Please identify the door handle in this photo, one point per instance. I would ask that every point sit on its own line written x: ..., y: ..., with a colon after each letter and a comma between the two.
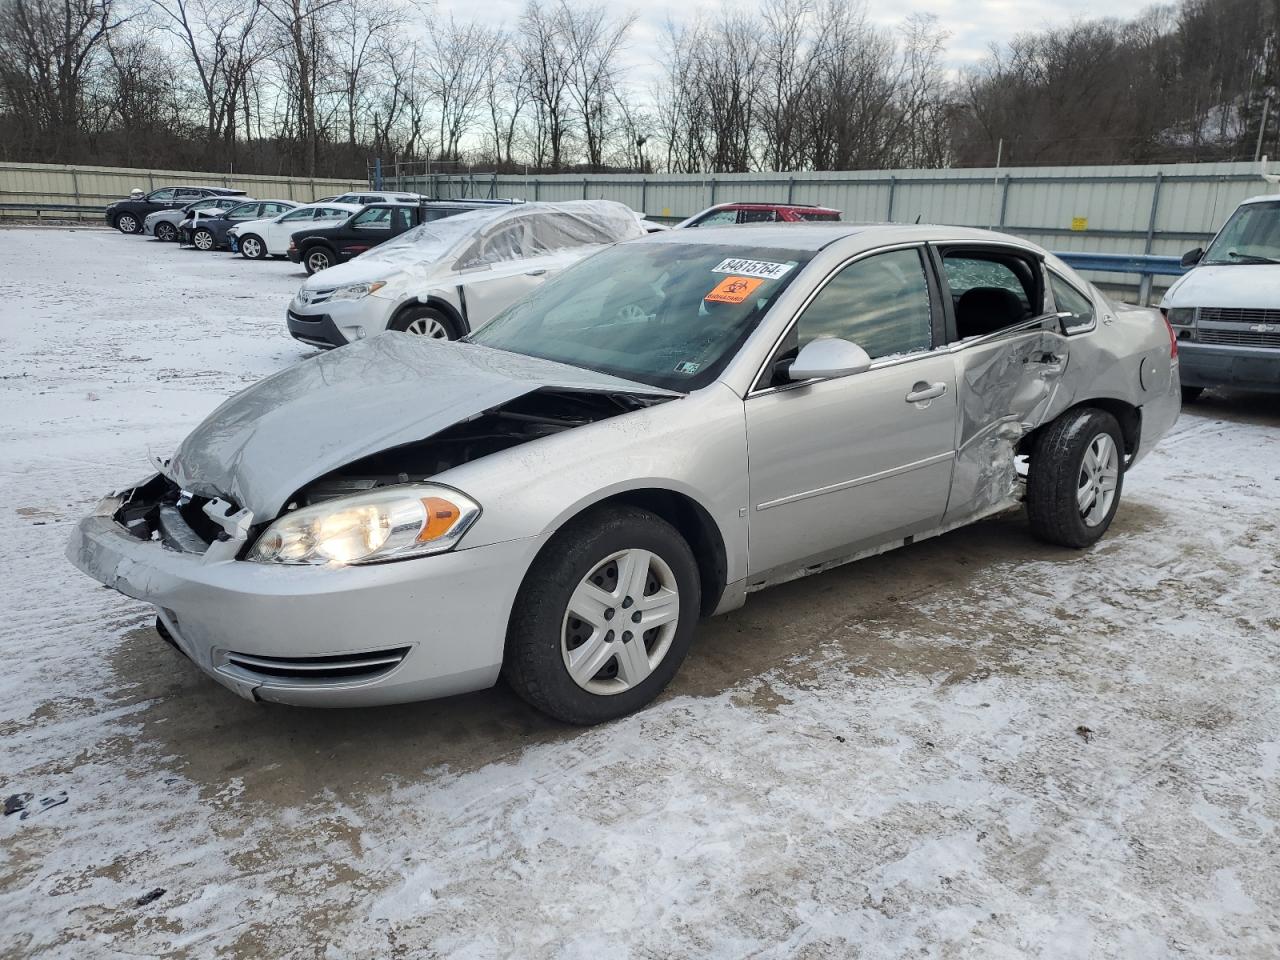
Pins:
x: 535, y: 273
x: 926, y: 391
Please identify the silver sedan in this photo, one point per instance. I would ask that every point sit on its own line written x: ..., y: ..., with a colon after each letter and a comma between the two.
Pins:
x: 670, y: 425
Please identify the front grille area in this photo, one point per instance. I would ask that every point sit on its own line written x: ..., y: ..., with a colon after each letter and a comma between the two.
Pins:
x: 302, y: 318
x: 158, y: 510
x: 1239, y: 315
x: 368, y: 665
x: 1241, y: 338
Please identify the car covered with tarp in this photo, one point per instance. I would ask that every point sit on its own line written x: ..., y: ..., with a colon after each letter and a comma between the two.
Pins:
x: 447, y: 277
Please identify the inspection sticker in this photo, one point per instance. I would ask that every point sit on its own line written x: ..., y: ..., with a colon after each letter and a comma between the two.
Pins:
x: 753, y: 268
x: 733, y: 289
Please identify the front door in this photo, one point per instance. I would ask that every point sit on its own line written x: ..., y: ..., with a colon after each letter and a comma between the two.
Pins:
x: 854, y: 462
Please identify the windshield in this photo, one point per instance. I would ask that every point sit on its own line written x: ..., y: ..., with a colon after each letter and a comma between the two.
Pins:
x: 1252, y: 235
x: 667, y: 314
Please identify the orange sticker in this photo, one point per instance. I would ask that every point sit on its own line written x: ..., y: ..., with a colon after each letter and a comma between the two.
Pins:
x: 733, y: 289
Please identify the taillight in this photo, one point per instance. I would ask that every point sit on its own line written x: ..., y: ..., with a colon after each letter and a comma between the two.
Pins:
x: 1173, y: 340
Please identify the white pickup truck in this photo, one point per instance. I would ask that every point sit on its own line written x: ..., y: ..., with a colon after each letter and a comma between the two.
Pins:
x: 1226, y: 311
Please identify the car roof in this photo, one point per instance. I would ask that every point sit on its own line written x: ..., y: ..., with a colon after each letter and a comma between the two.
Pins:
x: 815, y: 235
x: 1263, y: 198
x: 770, y: 205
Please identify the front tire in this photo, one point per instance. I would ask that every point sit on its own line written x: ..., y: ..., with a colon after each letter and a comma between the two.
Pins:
x: 1075, y: 478
x: 128, y: 223
x: 317, y: 259
x: 604, y: 618
x: 166, y: 231
x: 425, y: 322
x: 252, y: 247
x: 202, y: 240
x: 1191, y: 394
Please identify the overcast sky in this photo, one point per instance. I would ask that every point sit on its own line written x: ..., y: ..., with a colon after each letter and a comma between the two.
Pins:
x: 973, y: 24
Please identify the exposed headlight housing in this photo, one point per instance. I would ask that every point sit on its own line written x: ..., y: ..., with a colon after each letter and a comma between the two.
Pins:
x: 1182, y: 316
x: 391, y: 523
x: 357, y: 291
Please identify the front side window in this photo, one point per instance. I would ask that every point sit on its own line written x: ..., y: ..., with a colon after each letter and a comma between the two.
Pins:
x: 719, y: 218
x: 271, y: 209
x: 377, y: 218
x: 304, y: 214
x: 161, y: 196
x: 759, y: 216
x: 1070, y: 300
x: 245, y: 211
x: 667, y: 314
x: 1252, y: 235
x: 881, y: 303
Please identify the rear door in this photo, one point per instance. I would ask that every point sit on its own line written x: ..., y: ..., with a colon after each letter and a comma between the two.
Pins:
x: 1010, y: 356
x: 854, y: 462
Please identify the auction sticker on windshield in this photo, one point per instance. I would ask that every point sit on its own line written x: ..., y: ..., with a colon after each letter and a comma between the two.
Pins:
x: 753, y: 268
x: 733, y: 289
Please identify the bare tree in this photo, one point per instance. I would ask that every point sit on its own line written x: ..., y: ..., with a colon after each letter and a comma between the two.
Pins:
x: 546, y: 69
x: 593, y: 40
x: 458, y: 70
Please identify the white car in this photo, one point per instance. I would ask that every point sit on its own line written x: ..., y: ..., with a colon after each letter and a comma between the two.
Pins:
x: 448, y: 277
x: 366, y: 197
x: 256, y: 239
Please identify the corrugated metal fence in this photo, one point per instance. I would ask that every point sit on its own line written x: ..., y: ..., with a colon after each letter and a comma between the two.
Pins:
x: 1152, y: 209
x: 92, y: 188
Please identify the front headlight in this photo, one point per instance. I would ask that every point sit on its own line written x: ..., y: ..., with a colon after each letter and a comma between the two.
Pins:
x: 1182, y: 316
x: 357, y: 291
x: 392, y: 523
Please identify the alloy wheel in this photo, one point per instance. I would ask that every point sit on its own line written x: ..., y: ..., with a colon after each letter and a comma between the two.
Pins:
x: 428, y: 327
x: 620, y: 622
x: 317, y: 261
x: 251, y: 248
x: 203, y: 240
x: 166, y: 231
x: 1099, y: 475
x: 127, y: 223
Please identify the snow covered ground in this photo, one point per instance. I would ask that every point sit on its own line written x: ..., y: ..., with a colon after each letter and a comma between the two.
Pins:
x: 977, y: 746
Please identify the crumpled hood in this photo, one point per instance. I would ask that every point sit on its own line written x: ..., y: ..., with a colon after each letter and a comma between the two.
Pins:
x: 1238, y: 285
x: 265, y: 443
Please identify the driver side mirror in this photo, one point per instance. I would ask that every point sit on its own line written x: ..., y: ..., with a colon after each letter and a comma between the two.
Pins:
x: 1192, y: 257
x: 828, y: 357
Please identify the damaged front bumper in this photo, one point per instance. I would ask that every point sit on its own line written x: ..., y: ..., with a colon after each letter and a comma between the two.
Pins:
x: 320, y: 636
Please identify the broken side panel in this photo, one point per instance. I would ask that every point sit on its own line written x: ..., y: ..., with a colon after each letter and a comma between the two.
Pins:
x: 1007, y: 388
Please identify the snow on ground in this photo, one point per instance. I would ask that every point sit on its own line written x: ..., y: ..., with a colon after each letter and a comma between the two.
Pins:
x: 977, y: 746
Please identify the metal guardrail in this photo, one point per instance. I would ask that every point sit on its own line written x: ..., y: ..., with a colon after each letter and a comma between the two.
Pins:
x: 1145, y: 265
x: 52, y: 211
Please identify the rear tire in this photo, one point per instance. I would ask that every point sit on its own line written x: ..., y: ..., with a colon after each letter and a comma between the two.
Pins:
x: 620, y: 568
x: 128, y: 223
x: 318, y: 258
x: 1191, y: 394
x: 202, y: 240
x: 252, y: 247
x: 425, y: 322
x: 166, y: 231
x: 1075, y: 477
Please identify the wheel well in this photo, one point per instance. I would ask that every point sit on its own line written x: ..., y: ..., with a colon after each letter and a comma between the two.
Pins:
x: 693, y: 523
x: 436, y: 304
x: 1127, y: 415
